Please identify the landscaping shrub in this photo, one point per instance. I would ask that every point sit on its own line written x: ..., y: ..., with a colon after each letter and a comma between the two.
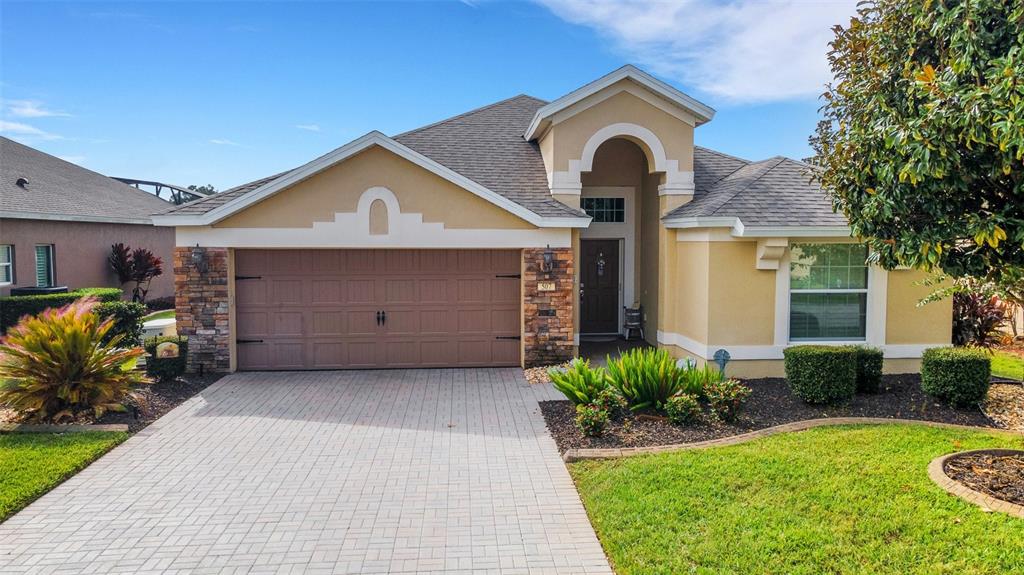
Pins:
x: 127, y: 317
x: 958, y: 375
x: 869, y: 369
x: 698, y: 378
x: 61, y: 361
x: 977, y: 318
x: 647, y: 377
x: 726, y: 398
x: 591, y: 420
x: 821, y: 373
x: 580, y: 383
x: 13, y: 308
x: 682, y: 408
x: 138, y: 266
x: 610, y: 400
x: 160, y: 303
x: 166, y: 368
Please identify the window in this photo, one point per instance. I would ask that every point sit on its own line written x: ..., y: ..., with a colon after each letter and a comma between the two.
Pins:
x: 828, y: 292
x: 6, y: 264
x: 605, y: 210
x: 44, y: 265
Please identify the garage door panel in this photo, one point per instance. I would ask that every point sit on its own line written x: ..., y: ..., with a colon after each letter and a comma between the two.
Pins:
x: 318, y: 309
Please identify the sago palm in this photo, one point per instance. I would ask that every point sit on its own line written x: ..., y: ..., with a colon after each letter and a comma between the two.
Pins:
x: 55, y: 364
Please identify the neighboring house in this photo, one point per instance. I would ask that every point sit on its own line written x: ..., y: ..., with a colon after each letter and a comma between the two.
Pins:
x: 58, y: 221
x: 500, y: 236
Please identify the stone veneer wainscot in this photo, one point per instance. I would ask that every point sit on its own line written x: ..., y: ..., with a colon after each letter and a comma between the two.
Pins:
x: 547, y: 340
x: 201, y: 306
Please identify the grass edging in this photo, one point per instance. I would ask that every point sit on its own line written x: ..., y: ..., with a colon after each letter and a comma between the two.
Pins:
x: 937, y: 473
x: 574, y: 455
x: 57, y: 428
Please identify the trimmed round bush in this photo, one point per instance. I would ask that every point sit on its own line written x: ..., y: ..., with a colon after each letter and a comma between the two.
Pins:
x: 869, y: 369
x: 682, y: 408
x: 821, y: 373
x: 958, y: 375
x: 591, y: 420
x: 166, y: 368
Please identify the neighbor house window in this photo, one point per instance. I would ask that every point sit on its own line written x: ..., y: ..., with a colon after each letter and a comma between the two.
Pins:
x: 605, y: 210
x: 828, y: 292
x: 44, y: 265
x: 6, y: 264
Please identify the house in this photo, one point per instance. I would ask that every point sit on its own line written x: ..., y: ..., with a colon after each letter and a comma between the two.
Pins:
x: 503, y: 235
x: 58, y: 221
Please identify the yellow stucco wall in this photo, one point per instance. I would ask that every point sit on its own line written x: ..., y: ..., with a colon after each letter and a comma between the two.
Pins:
x: 686, y: 309
x: 648, y: 288
x: 565, y: 140
x: 906, y: 322
x: 741, y: 297
x: 337, y: 189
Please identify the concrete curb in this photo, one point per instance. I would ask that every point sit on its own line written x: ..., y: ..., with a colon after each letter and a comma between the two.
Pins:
x: 574, y: 455
x: 47, y: 428
x: 937, y: 473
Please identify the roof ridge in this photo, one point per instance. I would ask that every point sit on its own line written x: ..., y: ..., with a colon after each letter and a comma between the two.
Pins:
x: 762, y: 170
x: 464, y: 114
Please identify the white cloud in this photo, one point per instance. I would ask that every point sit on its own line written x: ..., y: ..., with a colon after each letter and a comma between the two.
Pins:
x: 31, y: 109
x: 224, y: 142
x: 25, y: 131
x: 308, y: 127
x: 741, y: 50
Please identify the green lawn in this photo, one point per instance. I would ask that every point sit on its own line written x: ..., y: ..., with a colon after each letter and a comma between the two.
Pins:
x: 165, y: 314
x: 1005, y: 364
x: 845, y: 499
x: 33, y: 463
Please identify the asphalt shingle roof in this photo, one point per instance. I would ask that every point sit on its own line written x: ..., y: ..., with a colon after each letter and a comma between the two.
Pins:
x: 486, y: 145
x: 62, y: 190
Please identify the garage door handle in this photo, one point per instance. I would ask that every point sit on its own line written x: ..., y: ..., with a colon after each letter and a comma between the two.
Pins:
x: 383, y: 317
x: 378, y: 318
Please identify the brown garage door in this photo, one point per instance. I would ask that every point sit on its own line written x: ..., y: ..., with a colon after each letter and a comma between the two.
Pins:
x: 335, y: 309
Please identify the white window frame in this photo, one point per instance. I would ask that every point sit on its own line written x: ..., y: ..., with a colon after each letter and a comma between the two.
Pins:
x: 9, y: 265
x: 52, y: 264
x: 877, y: 292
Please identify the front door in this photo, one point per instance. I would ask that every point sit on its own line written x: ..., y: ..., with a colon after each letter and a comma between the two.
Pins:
x: 599, y: 286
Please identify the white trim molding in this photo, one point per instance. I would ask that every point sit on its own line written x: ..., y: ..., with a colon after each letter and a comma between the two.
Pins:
x: 348, y: 150
x: 774, y: 352
x: 740, y: 230
x: 352, y: 230
x: 677, y: 182
x: 541, y: 120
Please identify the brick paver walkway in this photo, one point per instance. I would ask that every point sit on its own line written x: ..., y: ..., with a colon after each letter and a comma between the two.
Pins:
x: 419, y: 471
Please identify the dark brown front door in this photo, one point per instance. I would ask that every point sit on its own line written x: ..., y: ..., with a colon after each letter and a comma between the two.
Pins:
x: 342, y: 309
x: 599, y: 286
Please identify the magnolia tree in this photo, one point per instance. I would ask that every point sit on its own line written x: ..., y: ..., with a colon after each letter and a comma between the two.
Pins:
x: 922, y: 141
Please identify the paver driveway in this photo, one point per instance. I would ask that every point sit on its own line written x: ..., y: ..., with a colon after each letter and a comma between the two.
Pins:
x: 419, y: 471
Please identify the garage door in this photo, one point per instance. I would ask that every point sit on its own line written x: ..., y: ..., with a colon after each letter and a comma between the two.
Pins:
x: 341, y: 309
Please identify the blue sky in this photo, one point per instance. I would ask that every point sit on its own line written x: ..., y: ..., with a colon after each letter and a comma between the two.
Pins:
x: 223, y: 93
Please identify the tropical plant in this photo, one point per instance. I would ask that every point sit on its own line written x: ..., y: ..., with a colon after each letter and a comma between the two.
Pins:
x: 647, y: 377
x: 591, y: 420
x: 579, y: 382
x: 698, y: 378
x: 921, y: 144
x: 977, y: 318
x: 683, y: 408
x: 726, y: 398
x: 138, y: 266
x: 57, y: 363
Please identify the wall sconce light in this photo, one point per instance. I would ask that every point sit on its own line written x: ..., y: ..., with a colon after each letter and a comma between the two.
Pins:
x: 548, y: 263
x: 199, y: 259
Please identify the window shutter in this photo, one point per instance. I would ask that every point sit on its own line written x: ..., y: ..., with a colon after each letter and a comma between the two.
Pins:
x: 44, y: 266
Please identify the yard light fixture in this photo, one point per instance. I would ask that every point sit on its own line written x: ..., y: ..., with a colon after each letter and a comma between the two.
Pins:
x: 199, y: 259
x: 548, y: 263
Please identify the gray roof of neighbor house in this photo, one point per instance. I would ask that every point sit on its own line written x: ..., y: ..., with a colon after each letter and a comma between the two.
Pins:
x: 60, y: 190
x: 773, y: 192
x: 487, y: 146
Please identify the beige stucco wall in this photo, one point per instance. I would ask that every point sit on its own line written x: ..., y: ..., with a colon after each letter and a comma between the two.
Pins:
x: 337, y: 190
x: 685, y: 309
x: 908, y: 323
x: 565, y: 140
x: 741, y: 298
x: 647, y: 239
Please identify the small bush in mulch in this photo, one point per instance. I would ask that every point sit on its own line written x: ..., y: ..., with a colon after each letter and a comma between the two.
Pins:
x: 683, y: 409
x: 726, y: 398
x: 821, y: 373
x: 770, y: 403
x: 959, y: 375
x: 591, y: 420
x: 999, y: 476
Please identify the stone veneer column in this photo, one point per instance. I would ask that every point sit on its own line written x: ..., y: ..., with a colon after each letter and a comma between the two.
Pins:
x: 547, y: 315
x: 201, y: 305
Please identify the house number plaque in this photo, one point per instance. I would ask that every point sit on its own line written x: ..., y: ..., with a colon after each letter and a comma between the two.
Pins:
x: 545, y: 286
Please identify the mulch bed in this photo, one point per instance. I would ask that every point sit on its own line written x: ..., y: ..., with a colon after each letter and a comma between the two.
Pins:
x: 1005, y: 405
x: 770, y: 404
x: 999, y: 476
x: 160, y: 398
